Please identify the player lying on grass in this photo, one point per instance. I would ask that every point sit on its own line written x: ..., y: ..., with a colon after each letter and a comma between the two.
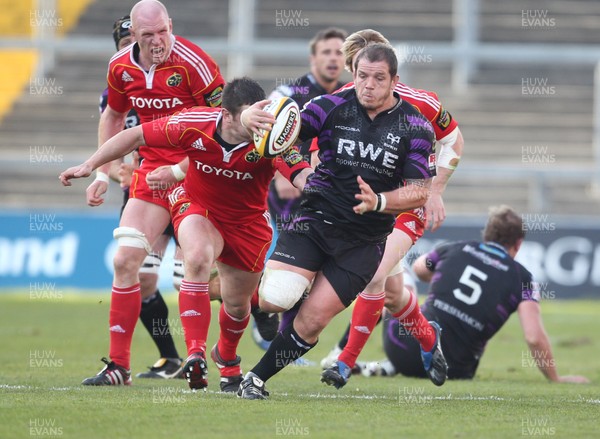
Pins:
x: 474, y: 288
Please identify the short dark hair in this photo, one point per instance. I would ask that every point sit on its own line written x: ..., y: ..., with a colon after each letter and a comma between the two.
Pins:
x: 504, y: 226
x: 241, y: 91
x: 326, y: 34
x: 379, y: 52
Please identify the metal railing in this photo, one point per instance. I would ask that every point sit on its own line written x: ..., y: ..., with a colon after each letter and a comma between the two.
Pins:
x: 465, y: 53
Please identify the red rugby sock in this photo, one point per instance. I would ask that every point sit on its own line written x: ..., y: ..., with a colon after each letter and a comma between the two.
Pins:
x: 232, y: 330
x: 195, y: 312
x: 414, y: 322
x: 125, y: 306
x: 365, y: 315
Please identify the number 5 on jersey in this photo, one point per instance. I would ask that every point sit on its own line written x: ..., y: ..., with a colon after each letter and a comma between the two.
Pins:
x: 469, y: 278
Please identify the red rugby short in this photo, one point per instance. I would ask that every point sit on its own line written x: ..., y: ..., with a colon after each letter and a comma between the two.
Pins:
x: 245, y: 243
x: 412, y: 223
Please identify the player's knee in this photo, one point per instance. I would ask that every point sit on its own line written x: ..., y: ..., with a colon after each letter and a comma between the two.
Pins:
x: 126, y: 262
x: 309, y: 326
x: 268, y: 307
x: 397, y: 269
x: 198, y: 261
x: 237, y: 309
x: 281, y: 289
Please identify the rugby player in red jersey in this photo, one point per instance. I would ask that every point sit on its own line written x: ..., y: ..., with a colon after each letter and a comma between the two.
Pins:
x: 220, y: 213
x: 157, y: 75
x: 154, y: 313
x: 387, y: 287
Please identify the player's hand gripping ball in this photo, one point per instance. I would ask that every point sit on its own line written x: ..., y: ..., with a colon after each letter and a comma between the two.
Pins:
x: 284, y: 132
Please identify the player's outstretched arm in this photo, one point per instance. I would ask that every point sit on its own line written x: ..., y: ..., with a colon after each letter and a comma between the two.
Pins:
x: 117, y: 146
x: 111, y: 123
x: 539, y: 343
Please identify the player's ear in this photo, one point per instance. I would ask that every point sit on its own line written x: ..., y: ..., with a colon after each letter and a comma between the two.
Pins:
x: 227, y: 116
x: 517, y: 245
x: 170, y: 25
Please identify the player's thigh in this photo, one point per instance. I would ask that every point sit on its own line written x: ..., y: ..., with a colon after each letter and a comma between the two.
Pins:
x: 398, y: 243
x: 148, y: 218
x: 289, y: 271
x: 200, y: 241
x: 351, y: 268
x: 159, y: 246
x: 397, y: 246
x: 297, y: 252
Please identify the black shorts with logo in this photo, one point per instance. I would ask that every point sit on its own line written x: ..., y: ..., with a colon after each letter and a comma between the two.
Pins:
x: 348, y: 264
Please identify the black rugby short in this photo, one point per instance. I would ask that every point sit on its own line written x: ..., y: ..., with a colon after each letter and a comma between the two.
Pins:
x: 404, y: 351
x: 314, y: 245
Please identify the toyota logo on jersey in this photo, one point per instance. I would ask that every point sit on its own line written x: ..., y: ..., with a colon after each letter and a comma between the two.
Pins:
x: 156, y: 103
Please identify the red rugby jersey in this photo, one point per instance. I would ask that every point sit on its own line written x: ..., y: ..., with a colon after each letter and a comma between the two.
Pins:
x: 189, y: 77
x: 233, y: 184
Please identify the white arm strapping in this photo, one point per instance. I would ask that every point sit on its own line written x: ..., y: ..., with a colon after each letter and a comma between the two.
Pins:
x: 447, y: 153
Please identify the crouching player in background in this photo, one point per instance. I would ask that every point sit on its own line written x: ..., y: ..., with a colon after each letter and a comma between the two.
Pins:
x: 474, y: 288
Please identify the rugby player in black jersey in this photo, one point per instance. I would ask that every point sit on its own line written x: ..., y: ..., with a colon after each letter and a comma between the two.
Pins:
x: 474, y: 288
x: 377, y: 159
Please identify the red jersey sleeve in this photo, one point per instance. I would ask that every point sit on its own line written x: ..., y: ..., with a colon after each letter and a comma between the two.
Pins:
x: 205, y: 75
x: 314, y: 145
x: 428, y: 103
x: 163, y: 131
x: 290, y: 163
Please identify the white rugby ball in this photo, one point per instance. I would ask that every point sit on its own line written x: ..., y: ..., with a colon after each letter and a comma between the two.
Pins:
x: 284, y: 132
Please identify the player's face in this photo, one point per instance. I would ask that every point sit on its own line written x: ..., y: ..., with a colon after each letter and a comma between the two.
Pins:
x: 234, y: 131
x: 153, y: 35
x: 328, y: 60
x: 125, y: 41
x: 374, y: 85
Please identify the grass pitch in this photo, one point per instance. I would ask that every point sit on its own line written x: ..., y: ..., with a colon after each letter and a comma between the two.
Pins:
x: 50, y: 344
